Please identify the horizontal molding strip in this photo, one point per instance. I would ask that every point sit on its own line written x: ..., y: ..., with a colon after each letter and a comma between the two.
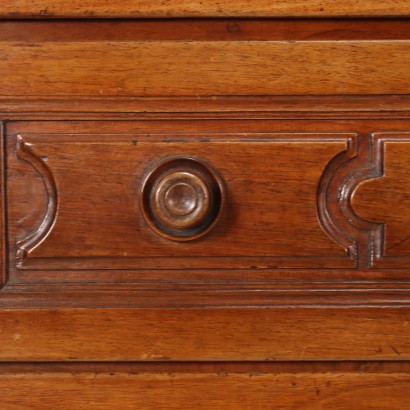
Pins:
x: 204, y: 29
x: 201, y: 8
x: 315, y: 104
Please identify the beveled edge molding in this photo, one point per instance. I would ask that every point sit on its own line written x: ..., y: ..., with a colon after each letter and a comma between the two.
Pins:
x: 323, y: 105
x: 283, y: 293
x: 360, y: 238
x: 25, y: 246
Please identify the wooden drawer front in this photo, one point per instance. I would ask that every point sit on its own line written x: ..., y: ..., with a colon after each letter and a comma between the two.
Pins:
x: 75, y: 201
x: 204, y: 391
x: 184, y: 68
x: 271, y: 334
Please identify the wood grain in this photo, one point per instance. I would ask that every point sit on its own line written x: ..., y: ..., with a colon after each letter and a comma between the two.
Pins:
x: 219, y: 29
x: 90, y: 391
x: 175, y: 335
x: 276, y: 283
x: 3, y: 217
x: 234, y: 334
x: 205, y: 8
x: 185, y: 68
x: 375, y: 108
x: 208, y: 367
x: 97, y: 182
x: 390, y: 153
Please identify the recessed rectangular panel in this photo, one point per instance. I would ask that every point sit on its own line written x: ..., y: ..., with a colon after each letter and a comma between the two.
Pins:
x: 77, y: 201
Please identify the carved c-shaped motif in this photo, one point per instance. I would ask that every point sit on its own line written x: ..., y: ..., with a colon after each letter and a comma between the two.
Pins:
x: 340, y: 179
x: 25, y: 246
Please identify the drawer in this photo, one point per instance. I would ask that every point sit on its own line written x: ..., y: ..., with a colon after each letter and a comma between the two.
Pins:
x: 173, y: 200
x: 236, y: 68
x: 85, y: 257
x: 204, y: 201
x: 189, y: 58
x: 218, y: 387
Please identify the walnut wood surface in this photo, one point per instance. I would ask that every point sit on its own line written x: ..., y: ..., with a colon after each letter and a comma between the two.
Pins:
x: 184, y: 68
x: 319, y: 210
x: 306, y: 120
x: 182, y: 198
x: 228, y: 334
x: 195, y: 8
x: 345, y: 107
x: 246, y: 391
x: 391, y: 160
x: 3, y: 223
x: 97, y: 181
x: 204, y: 29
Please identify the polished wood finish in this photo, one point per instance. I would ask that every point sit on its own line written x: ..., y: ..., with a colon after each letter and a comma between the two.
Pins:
x: 391, y: 166
x: 156, y: 68
x: 206, y: 107
x: 206, y: 334
x: 182, y: 198
x: 3, y: 222
x: 197, y: 8
x: 148, y: 280
x: 293, y: 294
x: 204, y: 29
x: 247, y: 391
x: 70, y: 209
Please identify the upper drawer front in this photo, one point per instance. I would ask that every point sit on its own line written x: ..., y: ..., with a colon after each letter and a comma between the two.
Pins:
x: 217, y: 68
x: 215, y: 58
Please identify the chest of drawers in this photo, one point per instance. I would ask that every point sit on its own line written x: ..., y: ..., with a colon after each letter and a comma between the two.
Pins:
x: 205, y: 205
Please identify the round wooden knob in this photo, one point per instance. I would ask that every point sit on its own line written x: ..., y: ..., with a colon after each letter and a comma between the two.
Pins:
x: 182, y: 198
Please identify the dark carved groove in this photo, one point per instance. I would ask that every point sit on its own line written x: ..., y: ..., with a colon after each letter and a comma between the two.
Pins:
x: 30, y: 242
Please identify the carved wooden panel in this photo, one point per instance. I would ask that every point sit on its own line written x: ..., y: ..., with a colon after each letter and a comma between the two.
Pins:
x: 386, y: 199
x: 76, y: 201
